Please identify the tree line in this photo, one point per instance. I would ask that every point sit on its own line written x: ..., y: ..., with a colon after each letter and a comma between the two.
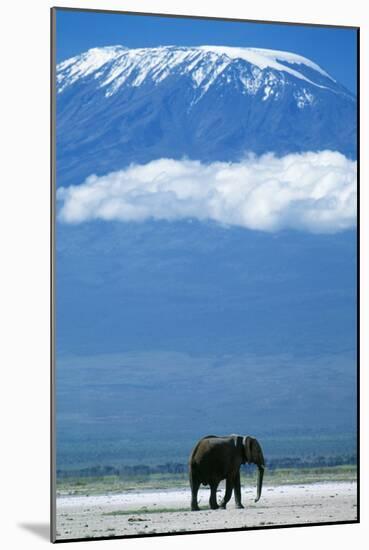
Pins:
x: 181, y: 468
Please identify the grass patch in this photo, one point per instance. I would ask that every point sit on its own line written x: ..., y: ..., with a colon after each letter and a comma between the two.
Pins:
x: 114, y: 484
x: 156, y: 510
x: 287, y: 476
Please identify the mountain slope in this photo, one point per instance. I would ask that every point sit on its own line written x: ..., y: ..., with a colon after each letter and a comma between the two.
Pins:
x: 116, y: 106
x: 167, y: 331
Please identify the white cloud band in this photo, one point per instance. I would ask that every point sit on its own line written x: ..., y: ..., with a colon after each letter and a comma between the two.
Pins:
x: 314, y: 192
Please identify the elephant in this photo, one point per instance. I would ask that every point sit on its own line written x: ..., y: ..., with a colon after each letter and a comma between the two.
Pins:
x: 215, y: 458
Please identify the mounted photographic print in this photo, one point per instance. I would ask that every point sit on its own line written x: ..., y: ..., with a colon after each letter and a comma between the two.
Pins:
x: 204, y: 274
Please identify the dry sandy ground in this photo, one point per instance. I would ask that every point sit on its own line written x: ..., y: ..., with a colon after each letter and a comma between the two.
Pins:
x: 134, y: 513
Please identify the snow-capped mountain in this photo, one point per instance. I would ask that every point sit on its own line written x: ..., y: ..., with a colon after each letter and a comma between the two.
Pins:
x: 116, y: 66
x: 117, y: 105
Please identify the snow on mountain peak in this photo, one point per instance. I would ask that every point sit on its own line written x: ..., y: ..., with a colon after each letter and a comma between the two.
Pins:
x: 70, y: 70
x: 114, y: 66
x: 264, y: 58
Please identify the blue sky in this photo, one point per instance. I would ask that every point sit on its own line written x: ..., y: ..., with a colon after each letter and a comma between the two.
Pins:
x: 333, y: 49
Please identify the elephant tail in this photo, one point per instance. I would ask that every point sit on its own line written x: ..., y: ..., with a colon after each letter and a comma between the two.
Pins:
x: 195, y: 473
x: 191, y: 461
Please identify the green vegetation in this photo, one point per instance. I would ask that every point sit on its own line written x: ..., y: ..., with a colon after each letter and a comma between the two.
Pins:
x: 292, y: 476
x: 144, y: 510
x: 155, y: 481
x: 117, y: 484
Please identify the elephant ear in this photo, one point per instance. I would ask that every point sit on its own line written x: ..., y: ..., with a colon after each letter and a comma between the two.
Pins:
x: 247, y: 445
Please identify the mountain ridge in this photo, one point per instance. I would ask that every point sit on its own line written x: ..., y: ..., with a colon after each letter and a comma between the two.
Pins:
x: 122, y: 59
x: 117, y: 106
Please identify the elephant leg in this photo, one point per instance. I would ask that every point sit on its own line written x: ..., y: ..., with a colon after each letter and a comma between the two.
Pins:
x: 228, y: 492
x: 195, y: 484
x: 213, y: 496
x: 237, y: 491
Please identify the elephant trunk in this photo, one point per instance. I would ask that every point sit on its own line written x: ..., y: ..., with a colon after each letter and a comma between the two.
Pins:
x: 260, y: 482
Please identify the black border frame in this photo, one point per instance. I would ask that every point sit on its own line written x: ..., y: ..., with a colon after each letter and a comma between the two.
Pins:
x: 53, y: 12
